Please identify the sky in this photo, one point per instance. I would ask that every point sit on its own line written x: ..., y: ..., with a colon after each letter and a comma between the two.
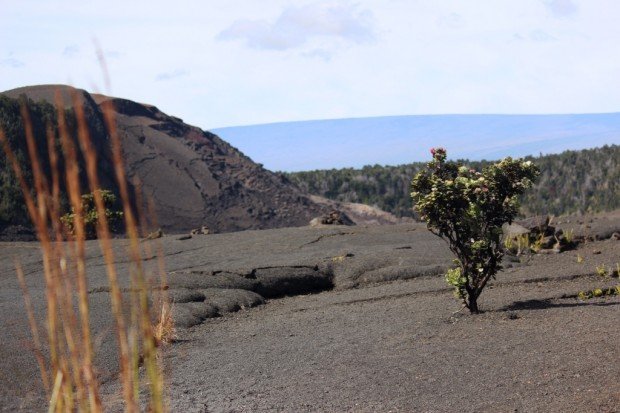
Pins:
x: 218, y: 63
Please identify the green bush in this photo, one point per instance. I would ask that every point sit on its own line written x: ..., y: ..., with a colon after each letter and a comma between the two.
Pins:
x: 91, y: 216
x: 468, y: 208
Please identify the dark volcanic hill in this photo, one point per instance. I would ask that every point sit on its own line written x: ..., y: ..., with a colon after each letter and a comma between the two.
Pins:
x: 193, y: 176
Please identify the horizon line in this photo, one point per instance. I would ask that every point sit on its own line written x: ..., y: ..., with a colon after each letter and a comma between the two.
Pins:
x: 411, y: 115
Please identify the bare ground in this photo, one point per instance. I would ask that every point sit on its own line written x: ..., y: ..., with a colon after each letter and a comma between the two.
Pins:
x: 363, y: 346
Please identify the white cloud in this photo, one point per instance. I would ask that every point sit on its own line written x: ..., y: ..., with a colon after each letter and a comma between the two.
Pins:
x: 561, y: 8
x: 112, y: 54
x: 424, y: 58
x: 537, y: 35
x: 11, y: 62
x: 171, y: 75
x: 541, y: 36
x: 71, y: 50
x: 323, y: 54
x: 451, y: 20
x: 296, y: 26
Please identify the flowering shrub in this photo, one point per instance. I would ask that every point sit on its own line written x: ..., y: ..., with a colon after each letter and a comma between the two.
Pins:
x: 468, y: 208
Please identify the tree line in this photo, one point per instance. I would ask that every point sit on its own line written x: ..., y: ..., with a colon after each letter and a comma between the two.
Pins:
x: 570, y: 182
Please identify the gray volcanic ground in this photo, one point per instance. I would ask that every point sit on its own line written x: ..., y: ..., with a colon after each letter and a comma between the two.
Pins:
x: 380, y: 334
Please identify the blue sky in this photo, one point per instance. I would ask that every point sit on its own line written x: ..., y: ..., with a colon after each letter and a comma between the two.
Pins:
x: 394, y: 140
x: 219, y: 63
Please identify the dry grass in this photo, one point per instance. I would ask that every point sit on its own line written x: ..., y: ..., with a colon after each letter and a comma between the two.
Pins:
x: 164, y: 331
x: 68, y: 373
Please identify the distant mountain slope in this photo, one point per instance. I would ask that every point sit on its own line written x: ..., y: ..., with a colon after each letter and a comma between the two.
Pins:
x: 193, y: 177
x: 395, y: 140
x: 573, y: 181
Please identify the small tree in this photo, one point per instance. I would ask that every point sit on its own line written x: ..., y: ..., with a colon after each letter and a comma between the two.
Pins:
x: 467, y: 209
x: 91, y: 216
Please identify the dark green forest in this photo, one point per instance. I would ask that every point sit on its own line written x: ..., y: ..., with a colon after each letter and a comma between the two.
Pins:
x: 12, y: 208
x: 42, y: 116
x: 570, y: 182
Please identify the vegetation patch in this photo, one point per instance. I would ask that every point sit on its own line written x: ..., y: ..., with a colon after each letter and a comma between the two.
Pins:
x: 573, y: 181
x: 468, y: 208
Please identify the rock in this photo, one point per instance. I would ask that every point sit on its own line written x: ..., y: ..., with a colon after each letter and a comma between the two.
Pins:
x: 183, y: 317
x: 154, y: 235
x: 615, y: 235
x: 514, y: 230
x: 204, y: 310
x: 231, y: 300
x: 192, y: 308
x: 315, y: 222
x: 204, y: 230
x: 183, y: 295
x: 537, y: 224
x: 548, y: 242
x: 199, y: 280
x: 184, y: 237
x: 555, y: 250
x: 333, y: 218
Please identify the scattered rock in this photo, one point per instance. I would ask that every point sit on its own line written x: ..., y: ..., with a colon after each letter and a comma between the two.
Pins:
x: 154, y: 235
x: 192, y: 308
x: 596, y: 252
x: 204, y: 230
x: 512, y: 316
x: 514, y: 230
x: 231, y: 300
x: 537, y: 224
x: 184, y: 237
x: 198, y: 280
x: 553, y: 250
x: 183, y: 295
x: 333, y: 218
x: 548, y: 242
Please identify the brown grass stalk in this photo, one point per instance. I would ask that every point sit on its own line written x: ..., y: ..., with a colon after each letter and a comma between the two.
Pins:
x: 33, y: 327
x: 131, y: 225
x: 149, y: 346
x: 69, y: 376
x: 74, y: 191
x: 103, y: 234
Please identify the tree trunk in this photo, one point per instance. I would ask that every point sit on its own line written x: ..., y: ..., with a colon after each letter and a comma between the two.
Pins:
x: 472, y: 304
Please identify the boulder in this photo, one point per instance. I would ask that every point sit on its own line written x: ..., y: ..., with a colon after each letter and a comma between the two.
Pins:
x: 537, y: 224
x: 154, y: 235
x: 548, y: 242
x: 204, y: 230
x: 514, y: 230
x: 333, y: 218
